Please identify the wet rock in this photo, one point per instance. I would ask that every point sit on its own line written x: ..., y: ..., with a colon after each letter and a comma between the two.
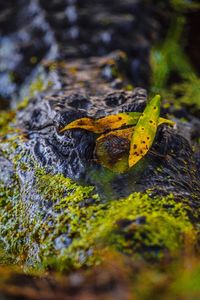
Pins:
x: 32, y: 31
x: 52, y: 214
x: 169, y: 167
x: 25, y: 39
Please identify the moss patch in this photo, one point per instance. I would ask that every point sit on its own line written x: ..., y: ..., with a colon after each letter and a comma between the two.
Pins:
x: 5, y: 119
x: 14, y: 225
x: 134, y: 225
x: 78, y: 226
x: 71, y: 227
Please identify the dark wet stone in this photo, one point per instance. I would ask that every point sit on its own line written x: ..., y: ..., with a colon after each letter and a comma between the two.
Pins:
x: 32, y: 31
x: 72, y: 152
x: 169, y: 166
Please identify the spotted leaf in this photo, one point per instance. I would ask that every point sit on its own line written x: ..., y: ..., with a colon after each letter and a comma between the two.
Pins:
x: 83, y: 123
x: 104, y: 124
x: 145, y: 131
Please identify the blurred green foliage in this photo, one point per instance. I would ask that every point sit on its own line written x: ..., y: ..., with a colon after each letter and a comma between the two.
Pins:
x: 173, y: 76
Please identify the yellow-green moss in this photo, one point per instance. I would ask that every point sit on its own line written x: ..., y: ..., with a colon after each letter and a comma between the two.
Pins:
x: 41, y: 82
x: 5, y: 118
x: 163, y: 229
x: 72, y: 225
x: 13, y: 224
x: 154, y: 226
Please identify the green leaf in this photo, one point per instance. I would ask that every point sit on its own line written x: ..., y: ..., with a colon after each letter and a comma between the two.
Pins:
x: 145, y: 131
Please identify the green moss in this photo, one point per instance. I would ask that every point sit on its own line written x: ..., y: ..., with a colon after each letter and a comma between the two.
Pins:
x: 72, y: 207
x: 69, y: 226
x: 87, y: 225
x: 14, y: 225
x: 5, y: 119
x: 118, y: 226
x: 189, y: 91
x: 39, y: 84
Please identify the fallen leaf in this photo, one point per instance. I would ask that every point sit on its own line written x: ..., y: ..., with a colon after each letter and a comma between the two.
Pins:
x: 83, y: 123
x: 145, y: 131
x: 111, y: 122
x: 104, y: 124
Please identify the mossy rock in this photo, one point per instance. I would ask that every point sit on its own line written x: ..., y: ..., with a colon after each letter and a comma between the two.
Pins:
x: 70, y: 226
x: 61, y: 209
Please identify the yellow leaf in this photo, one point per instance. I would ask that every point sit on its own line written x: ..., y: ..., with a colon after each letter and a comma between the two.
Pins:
x: 83, y: 123
x: 166, y: 121
x: 104, y: 124
x: 145, y: 131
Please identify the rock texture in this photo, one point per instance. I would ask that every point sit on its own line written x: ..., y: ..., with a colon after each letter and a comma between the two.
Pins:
x: 34, y: 30
x: 49, y: 211
x: 170, y: 166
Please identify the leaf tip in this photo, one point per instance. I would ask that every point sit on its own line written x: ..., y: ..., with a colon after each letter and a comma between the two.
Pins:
x: 157, y: 97
x: 133, y: 160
